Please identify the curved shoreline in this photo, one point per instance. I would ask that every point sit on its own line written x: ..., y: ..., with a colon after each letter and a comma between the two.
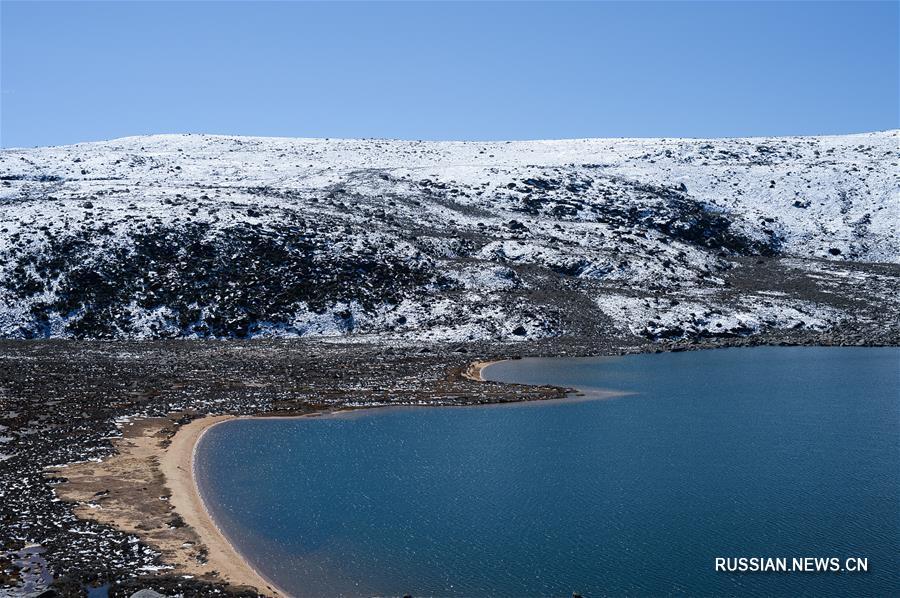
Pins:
x: 177, y: 465
x: 475, y: 370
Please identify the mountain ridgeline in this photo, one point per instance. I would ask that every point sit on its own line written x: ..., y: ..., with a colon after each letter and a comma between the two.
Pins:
x: 226, y: 237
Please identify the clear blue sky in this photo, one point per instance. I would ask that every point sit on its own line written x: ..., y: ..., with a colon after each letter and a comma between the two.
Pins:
x: 79, y: 71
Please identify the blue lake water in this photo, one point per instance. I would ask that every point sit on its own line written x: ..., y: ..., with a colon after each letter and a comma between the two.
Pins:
x: 771, y: 452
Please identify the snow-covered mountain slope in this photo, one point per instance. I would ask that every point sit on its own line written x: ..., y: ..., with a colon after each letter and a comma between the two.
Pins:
x: 199, y: 235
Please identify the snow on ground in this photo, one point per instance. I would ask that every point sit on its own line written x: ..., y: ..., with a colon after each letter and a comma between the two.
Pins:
x: 203, y: 235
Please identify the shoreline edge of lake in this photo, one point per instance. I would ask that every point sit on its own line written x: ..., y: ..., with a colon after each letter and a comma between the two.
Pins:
x: 162, y: 449
x: 177, y: 465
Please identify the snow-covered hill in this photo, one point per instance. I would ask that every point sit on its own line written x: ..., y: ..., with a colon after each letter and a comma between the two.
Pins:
x: 199, y: 235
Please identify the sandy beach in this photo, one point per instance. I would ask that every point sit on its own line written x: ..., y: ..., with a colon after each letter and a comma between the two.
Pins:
x: 473, y: 372
x: 147, y: 488
x: 177, y: 465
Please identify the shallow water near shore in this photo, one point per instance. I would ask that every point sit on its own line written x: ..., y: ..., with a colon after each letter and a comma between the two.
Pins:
x: 762, y: 452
